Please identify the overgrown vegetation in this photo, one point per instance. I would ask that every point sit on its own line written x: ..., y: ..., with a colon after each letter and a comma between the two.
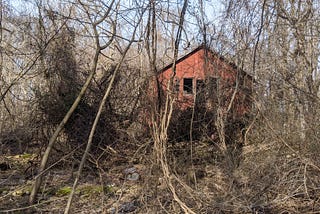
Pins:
x: 147, y: 155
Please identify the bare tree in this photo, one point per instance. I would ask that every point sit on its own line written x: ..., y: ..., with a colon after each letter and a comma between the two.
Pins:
x: 95, y: 24
x: 103, y: 101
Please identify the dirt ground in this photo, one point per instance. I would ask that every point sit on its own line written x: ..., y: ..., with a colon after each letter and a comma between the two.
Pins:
x: 128, y: 180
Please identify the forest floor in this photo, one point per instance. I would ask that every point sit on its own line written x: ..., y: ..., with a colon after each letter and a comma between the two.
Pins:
x: 127, y: 180
x: 112, y: 188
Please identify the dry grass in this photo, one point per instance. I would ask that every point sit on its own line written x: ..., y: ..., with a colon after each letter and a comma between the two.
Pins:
x: 270, y: 178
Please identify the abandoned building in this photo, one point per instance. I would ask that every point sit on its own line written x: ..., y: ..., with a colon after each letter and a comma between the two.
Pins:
x: 203, y: 81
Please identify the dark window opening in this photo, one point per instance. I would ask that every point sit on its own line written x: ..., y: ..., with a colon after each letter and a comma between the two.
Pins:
x: 187, y: 85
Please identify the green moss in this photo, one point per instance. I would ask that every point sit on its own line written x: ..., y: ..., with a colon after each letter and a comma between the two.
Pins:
x: 90, y: 190
x: 26, y: 155
x: 63, y: 191
x: 87, y: 190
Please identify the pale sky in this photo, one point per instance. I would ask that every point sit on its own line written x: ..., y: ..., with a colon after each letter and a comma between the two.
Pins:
x: 212, y: 7
x: 24, y: 6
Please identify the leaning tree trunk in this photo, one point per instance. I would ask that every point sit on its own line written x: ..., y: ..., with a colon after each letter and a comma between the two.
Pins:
x: 84, y: 88
x: 95, y: 123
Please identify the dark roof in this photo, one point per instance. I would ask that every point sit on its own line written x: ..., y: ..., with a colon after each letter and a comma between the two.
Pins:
x: 233, y: 65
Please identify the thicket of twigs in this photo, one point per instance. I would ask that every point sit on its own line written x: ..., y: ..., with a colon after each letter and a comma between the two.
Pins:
x: 78, y: 121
